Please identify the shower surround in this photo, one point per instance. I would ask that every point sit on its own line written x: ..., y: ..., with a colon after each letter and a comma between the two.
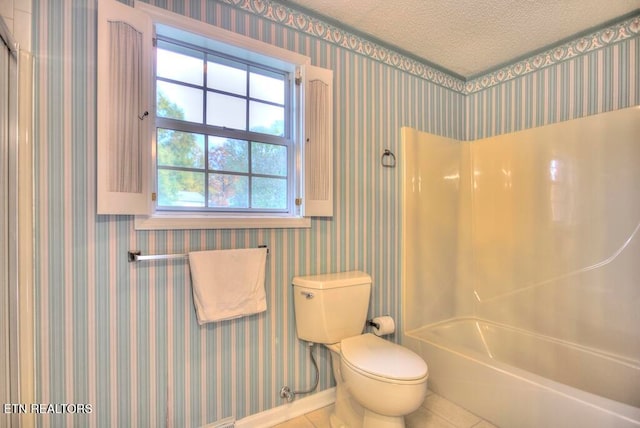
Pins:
x: 521, y: 265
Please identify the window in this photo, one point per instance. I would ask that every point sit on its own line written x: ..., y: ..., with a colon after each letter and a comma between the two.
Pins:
x: 214, y: 130
x: 223, y: 132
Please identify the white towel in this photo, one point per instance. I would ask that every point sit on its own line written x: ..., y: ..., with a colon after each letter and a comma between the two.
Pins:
x: 228, y: 283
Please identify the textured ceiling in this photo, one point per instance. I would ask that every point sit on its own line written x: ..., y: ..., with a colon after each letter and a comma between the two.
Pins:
x: 468, y: 37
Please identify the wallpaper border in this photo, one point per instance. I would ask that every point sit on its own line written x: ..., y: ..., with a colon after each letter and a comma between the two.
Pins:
x: 607, y: 36
x: 326, y: 31
x: 614, y: 33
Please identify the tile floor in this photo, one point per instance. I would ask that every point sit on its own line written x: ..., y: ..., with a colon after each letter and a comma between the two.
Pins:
x: 435, y: 412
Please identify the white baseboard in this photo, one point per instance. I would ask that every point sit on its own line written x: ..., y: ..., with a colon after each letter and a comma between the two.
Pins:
x: 298, y: 407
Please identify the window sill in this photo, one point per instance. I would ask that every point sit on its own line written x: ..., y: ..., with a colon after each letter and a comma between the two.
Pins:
x: 173, y: 221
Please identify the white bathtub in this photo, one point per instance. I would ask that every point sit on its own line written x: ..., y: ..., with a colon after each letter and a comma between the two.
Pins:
x: 514, y: 378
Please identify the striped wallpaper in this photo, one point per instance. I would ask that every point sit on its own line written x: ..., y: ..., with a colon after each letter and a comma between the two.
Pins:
x: 124, y: 337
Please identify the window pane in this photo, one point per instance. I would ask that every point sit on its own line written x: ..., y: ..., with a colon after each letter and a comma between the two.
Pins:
x: 176, y: 66
x: 227, y: 78
x: 269, y: 193
x: 226, y: 154
x: 178, y: 102
x: 227, y: 111
x: 180, y: 188
x: 268, y: 159
x: 176, y: 148
x: 228, y: 191
x: 266, y: 118
x: 266, y: 88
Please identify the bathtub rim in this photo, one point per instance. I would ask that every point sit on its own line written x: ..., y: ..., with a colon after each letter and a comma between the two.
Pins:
x: 624, y: 360
x: 615, y: 408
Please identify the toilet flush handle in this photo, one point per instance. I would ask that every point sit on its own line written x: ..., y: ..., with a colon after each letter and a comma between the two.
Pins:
x: 307, y: 294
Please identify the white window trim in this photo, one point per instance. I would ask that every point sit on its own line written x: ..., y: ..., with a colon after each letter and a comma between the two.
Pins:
x: 162, y: 220
x: 166, y: 221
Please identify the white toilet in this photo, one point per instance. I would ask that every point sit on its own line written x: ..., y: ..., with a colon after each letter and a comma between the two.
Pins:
x: 378, y: 382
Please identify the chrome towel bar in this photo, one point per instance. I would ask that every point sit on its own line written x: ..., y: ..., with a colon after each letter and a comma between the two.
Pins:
x: 136, y: 256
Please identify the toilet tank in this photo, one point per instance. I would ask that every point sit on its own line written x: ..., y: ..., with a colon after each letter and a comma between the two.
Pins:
x: 331, y: 307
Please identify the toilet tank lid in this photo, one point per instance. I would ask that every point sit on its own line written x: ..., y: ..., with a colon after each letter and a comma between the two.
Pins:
x: 332, y: 280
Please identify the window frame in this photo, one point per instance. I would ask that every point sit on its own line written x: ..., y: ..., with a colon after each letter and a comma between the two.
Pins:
x: 207, y: 130
x: 223, y: 41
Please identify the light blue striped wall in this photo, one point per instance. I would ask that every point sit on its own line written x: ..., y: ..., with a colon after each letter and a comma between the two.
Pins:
x: 124, y: 338
x: 596, y: 82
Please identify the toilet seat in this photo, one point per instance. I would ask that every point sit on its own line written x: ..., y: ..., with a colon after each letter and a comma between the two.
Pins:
x: 380, y: 359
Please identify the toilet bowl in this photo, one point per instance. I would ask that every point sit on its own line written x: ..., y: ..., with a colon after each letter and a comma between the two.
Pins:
x: 384, y: 377
x: 378, y: 382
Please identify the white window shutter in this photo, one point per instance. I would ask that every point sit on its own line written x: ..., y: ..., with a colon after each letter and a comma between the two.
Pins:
x: 125, y: 109
x: 318, y: 142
